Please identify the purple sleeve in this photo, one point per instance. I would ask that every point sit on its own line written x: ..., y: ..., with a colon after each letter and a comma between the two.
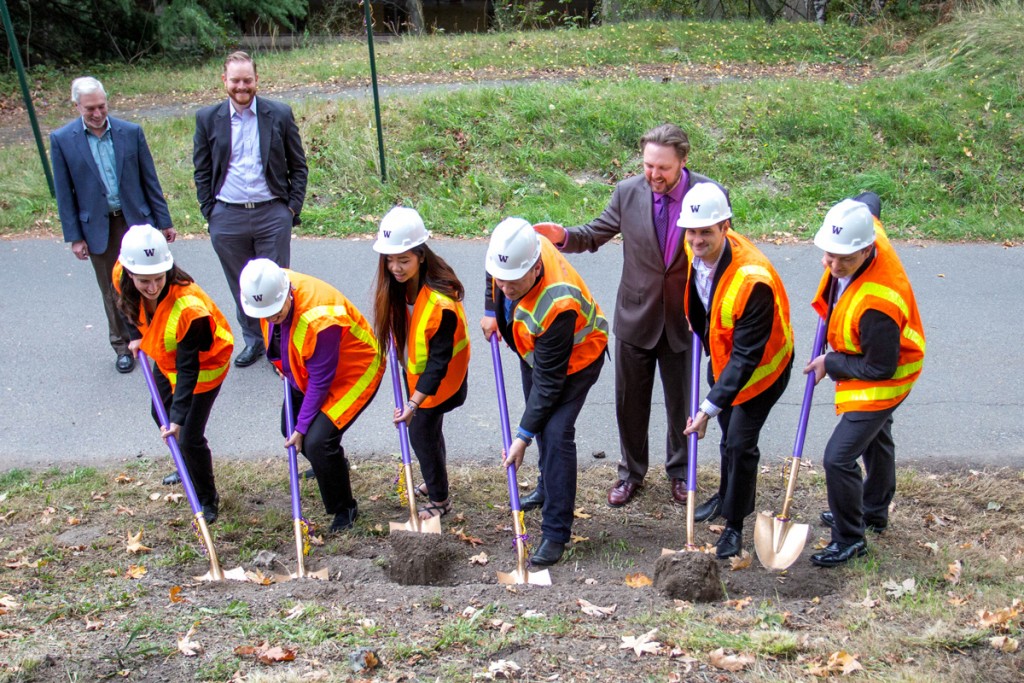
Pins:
x: 321, y: 367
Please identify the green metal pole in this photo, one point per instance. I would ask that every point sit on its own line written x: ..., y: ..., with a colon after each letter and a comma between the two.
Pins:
x: 376, y: 95
x: 26, y: 95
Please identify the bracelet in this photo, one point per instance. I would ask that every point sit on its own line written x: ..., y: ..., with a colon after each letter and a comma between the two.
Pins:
x: 414, y: 404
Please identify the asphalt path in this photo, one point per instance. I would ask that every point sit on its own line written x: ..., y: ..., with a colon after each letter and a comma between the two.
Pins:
x: 62, y: 402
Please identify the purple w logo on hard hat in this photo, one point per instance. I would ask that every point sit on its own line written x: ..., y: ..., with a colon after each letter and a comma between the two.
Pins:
x: 387, y: 233
x: 149, y: 252
x: 694, y: 208
x: 257, y: 297
x: 836, y: 229
x: 503, y: 258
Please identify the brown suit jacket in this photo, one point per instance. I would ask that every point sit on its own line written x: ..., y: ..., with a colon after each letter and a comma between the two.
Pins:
x: 650, y: 298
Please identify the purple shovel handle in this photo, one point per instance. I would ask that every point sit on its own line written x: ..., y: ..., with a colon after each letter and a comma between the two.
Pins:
x: 172, y: 443
x: 691, y: 442
x: 293, y: 456
x: 396, y: 386
x: 805, y: 407
x: 506, y: 430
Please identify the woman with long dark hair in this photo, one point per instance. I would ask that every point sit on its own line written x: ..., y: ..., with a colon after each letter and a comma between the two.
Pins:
x: 418, y: 302
x: 189, y: 340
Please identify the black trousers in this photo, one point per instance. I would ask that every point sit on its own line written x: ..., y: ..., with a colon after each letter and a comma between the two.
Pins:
x: 557, y: 445
x: 856, y: 501
x: 634, y: 384
x: 195, y: 450
x: 322, y: 447
x: 741, y: 428
x: 426, y: 436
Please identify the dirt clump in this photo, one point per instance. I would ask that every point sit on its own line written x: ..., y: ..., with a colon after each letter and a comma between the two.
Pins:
x: 422, y: 559
x: 689, y: 576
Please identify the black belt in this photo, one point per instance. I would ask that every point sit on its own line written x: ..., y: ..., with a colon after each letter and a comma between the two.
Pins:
x: 116, y: 214
x: 250, y: 205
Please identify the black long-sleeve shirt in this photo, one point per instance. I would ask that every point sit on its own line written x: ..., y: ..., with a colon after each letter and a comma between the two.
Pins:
x: 439, y: 354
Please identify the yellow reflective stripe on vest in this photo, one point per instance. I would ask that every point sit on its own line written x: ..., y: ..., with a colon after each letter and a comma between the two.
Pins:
x: 171, y: 329
x: 224, y: 334
x: 914, y: 338
x: 882, y: 393
x: 357, y: 390
x: 728, y: 319
x: 907, y: 369
x: 204, y: 375
x: 547, y: 300
x: 313, y: 314
x: 876, y: 290
x: 420, y: 334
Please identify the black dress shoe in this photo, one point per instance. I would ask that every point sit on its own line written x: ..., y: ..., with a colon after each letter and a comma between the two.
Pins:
x: 125, y: 363
x: 210, y: 511
x: 171, y: 479
x: 709, y: 509
x: 249, y: 355
x: 346, y: 519
x: 730, y: 543
x: 836, y: 553
x: 532, y: 500
x: 829, y: 519
x: 548, y: 553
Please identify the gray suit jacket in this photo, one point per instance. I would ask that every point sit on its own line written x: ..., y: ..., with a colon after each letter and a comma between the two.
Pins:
x: 284, y: 161
x: 81, y: 194
x: 650, y: 298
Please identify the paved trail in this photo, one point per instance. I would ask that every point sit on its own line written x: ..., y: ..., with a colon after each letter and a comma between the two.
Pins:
x: 61, y: 401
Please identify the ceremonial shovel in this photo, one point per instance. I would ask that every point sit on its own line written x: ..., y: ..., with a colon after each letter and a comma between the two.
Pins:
x: 519, y: 574
x: 199, y: 521
x: 777, y: 540
x: 425, y: 526
x: 691, y: 447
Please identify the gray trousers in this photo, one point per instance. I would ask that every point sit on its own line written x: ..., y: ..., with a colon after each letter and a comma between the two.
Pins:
x: 103, y: 266
x: 240, y: 235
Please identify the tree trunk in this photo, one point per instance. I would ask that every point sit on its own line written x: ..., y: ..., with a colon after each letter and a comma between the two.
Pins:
x: 415, y: 10
x: 611, y: 11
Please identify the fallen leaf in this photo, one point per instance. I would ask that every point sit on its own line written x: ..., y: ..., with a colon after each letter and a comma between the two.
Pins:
x: 720, y: 660
x: 124, y: 510
x: 259, y: 578
x: 898, y: 590
x: 590, y: 582
x: 276, y: 654
x: 870, y: 602
x: 641, y: 644
x: 638, y: 580
x: 578, y: 513
x: 134, y: 545
x: 173, y: 497
x: 579, y: 539
x: 953, y: 572
x: 460, y: 532
x: 187, y: 646
x: 154, y: 496
x: 135, y: 571
x: 8, y: 604
x: 741, y: 562
x: 316, y: 540
x: 838, y: 662
x: 100, y: 497
x: 74, y: 521
x: 502, y: 626
x: 533, y: 614
x: 91, y: 625
x: 123, y: 478
x: 595, y: 610
x: 740, y: 603
x: 999, y: 619
x: 1004, y: 644
x: 503, y: 669
x: 175, y: 594
x: 932, y: 546
x: 716, y: 528
x: 994, y: 506
x: 480, y: 559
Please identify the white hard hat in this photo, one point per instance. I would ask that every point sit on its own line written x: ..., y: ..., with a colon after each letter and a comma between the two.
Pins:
x: 264, y: 287
x: 513, y: 250
x: 401, y: 230
x: 703, y: 206
x: 848, y: 227
x: 144, y: 251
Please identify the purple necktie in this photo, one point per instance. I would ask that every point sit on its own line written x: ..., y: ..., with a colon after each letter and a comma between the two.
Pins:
x: 661, y: 222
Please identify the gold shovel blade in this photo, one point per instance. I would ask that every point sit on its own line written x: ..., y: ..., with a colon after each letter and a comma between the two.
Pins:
x: 422, y: 526
x: 541, y: 578
x: 778, y: 543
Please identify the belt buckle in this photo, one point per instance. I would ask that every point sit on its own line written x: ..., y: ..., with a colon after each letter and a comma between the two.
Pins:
x: 249, y: 205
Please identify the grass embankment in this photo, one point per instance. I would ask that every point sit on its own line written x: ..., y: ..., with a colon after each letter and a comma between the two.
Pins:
x: 939, y: 138
x: 933, y: 601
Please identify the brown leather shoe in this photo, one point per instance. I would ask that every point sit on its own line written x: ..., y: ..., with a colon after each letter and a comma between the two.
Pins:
x: 679, y: 491
x: 622, y: 493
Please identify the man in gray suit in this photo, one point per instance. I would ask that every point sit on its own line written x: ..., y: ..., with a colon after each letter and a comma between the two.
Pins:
x: 105, y: 180
x: 650, y: 328
x: 250, y: 173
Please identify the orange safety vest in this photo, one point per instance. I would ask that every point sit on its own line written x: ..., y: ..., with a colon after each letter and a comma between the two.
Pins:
x: 169, y: 324
x: 317, y: 306
x: 560, y: 289
x: 748, y: 267
x: 426, y: 318
x: 883, y: 286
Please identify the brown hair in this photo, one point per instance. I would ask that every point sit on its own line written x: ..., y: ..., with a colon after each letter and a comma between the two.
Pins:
x: 668, y: 135
x: 389, y: 301
x: 129, y: 298
x: 239, y: 56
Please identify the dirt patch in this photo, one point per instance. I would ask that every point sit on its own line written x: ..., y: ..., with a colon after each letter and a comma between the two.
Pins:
x: 688, y: 575
x: 418, y: 559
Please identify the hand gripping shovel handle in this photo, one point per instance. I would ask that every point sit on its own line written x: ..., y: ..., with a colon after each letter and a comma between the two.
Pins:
x: 506, y: 429
x: 396, y: 386
x: 179, y: 463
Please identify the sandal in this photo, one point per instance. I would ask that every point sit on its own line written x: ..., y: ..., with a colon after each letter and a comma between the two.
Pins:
x: 421, y: 490
x: 433, y: 509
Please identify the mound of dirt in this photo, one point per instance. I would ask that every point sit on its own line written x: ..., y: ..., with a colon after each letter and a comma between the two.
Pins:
x: 422, y: 559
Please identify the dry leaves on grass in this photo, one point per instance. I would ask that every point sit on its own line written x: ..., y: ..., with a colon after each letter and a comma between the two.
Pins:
x: 741, y: 562
x: 135, y: 571
x: 642, y: 644
x: 1004, y: 644
x: 91, y: 625
x: 578, y: 513
x: 739, y: 604
x: 8, y: 604
x: 480, y: 559
x: 953, y: 572
x: 502, y: 670
x: 638, y: 580
x: 173, y: 497
x: 502, y: 625
x: 134, y: 545
x: 1001, y: 618
x: 460, y: 533
x: 720, y: 660
x: 266, y: 654
x: 840, y: 662
x: 74, y: 521
x: 124, y: 510
x: 595, y: 610
x: 187, y: 646
x: 123, y: 478
x: 100, y: 497
x: 898, y: 590
x: 175, y: 595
